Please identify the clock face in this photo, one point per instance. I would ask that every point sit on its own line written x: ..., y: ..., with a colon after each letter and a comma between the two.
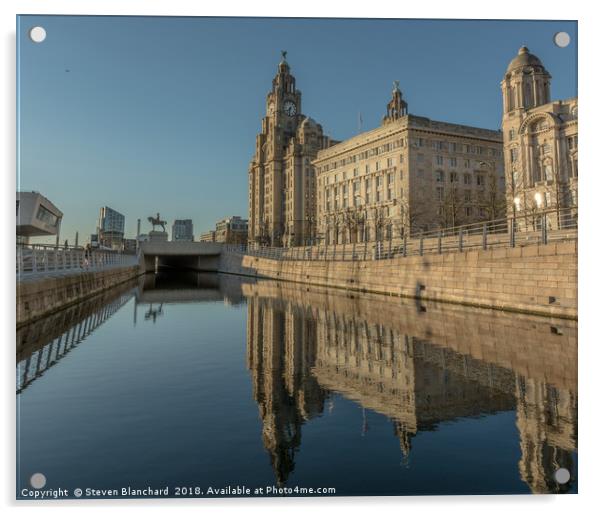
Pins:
x: 290, y: 108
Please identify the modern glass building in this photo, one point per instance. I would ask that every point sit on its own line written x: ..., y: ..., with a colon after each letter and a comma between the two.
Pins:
x: 111, y: 228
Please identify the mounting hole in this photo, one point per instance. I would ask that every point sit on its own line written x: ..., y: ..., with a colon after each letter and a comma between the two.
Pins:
x: 37, y: 34
x: 562, y: 476
x: 562, y: 39
x: 38, y: 480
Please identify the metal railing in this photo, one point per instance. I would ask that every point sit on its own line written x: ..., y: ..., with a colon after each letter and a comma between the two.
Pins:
x: 39, y: 260
x: 537, y: 228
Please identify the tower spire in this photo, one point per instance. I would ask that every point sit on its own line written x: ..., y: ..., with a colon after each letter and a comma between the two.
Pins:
x: 397, y: 107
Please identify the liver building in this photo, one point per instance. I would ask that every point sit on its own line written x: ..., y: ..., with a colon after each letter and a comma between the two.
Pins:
x: 540, y: 146
x: 282, y: 181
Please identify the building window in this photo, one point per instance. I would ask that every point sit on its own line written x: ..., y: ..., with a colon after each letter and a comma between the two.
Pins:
x: 574, y: 167
x: 480, y: 180
x: 389, y: 162
x: 453, y: 177
x: 513, y: 155
x: 377, y: 166
x: 467, y: 196
x: 45, y: 216
x: 547, y: 169
x: 547, y: 199
x: 439, y: 175
x: 453, y: 162
x: 468, y: 211
x: 420, y: 158
x: 439, y: 193
x: 440, y: 160
x: 400, y: 158
x: 467, y: 179
x: 511, y: 134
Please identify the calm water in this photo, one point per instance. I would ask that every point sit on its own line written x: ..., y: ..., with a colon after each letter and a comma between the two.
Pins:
x: 197, y: 381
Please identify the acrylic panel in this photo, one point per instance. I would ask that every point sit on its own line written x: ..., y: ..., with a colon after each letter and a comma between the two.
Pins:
x: 295, y: 257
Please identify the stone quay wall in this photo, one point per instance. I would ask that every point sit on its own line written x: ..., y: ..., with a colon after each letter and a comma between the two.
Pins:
x: 38, y: 297
x: 537, y: 279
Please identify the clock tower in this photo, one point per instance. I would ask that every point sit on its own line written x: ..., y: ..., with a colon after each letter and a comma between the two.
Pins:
x: 282, y: 181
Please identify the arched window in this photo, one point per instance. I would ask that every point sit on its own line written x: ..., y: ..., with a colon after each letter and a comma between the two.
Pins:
x: 548, y: 171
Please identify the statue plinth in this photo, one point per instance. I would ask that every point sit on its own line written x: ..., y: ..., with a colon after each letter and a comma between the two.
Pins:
x: 157, y: 236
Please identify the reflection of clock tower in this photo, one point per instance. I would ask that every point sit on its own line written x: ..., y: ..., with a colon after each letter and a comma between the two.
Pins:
x: 282, y: 181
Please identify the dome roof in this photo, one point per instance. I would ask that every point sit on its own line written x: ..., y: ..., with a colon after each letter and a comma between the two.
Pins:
x: 309, y: 123
x: 524, y: 58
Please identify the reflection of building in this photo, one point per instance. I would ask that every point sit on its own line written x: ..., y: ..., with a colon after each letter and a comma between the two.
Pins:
x: 282, y: 182
x: 181, y: 230
x: 410, y: 173
x: 302, y: 345
x: 111, y: 227
x: 36, y: 216
x: 546, y: 418
x: 540, y: 141
x: 280, y: 354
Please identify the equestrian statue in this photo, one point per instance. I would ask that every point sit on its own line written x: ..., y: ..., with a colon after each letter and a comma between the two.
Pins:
x: 157, y: 221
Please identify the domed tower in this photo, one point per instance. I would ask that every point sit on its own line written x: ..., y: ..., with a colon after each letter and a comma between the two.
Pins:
x: 540, y: 155
x: 526, y: 83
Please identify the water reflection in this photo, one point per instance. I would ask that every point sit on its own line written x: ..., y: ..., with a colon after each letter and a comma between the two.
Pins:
x: 420, y: 366
x: 42, y: 344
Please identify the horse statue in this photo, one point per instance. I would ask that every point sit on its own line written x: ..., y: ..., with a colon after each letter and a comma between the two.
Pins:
x: 157, y: 221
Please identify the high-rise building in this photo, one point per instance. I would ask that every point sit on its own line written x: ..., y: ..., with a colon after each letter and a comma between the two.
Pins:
x: 181, y: 230
x: 111, y: 228
x: 408, y: 175
x: 282, y: 182
x: 540, y: 145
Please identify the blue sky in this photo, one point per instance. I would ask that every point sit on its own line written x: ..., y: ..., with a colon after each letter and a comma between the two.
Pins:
x: 160, y: 114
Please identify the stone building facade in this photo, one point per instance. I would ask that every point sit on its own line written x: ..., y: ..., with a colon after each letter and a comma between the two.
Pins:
x: 411, y: 174
x: 231, y: 230
x: 540, y: 146
x: 282, y: 182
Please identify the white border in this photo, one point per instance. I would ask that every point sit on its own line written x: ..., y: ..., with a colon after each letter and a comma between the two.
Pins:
x: 590, y: 189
